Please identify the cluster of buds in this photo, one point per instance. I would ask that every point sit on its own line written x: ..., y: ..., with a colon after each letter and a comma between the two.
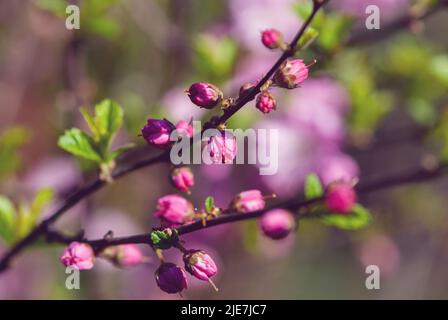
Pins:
x: 340, y: 197
x: 81, y: 256
x: 182, y: 178
x: 171, y: 278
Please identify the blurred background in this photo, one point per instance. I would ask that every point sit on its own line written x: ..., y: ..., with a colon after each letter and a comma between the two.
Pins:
x: 375, y: 104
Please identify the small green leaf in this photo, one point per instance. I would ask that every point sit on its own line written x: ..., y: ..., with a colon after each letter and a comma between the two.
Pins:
x: 313, y: 187
x: 79, y: 144
x: 91, y: 123
x: 308, y: 38
x: 209, y: 204
x: 357, y: 219
x: 7, y: 219
x: 108, y: 117
x: 41, y: 199
x: 164, y: 239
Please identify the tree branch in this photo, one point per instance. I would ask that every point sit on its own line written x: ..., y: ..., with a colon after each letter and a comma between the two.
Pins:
x: 96, y: 185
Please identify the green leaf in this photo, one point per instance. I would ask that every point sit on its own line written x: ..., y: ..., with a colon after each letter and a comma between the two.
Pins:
x: 209, y: 204
x: 439, y: 67
x: 7, y: 219
x: 357, y: 219
x: 120, y: 150
x: 10, y: 141
x: 108, y: 117
x: 164, y: 239
x: 308, y: 38
x: 313, y: 187
x: 91, y: 123
x: 41, y: 199
x: 79, y: 144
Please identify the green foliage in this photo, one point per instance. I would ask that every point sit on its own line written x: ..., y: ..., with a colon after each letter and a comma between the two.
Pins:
x: 209, y: 204
x: 103, y: 125
x: 313, y: 187
x: 10, y: 141
x: 308, y: 38
x: 164, y: 239
x: 17, y: 222
x: 214, y: 57
x: 355, y: 220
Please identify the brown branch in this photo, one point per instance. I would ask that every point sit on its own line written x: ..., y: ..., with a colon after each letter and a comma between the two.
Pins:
x: 94, y: 186
x: 294, y: 204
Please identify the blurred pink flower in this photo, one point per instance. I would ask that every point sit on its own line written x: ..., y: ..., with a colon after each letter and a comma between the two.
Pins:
x: 335, y: 165
x: 381, y: 251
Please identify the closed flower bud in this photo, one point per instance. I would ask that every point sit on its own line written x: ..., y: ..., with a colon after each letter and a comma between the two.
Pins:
x: 272, y: 39
x: 171, y: 278
x: 174, y: 210
x: 204, y: 95
x: 157, y: 132
x: 340, y: 197
x: 182, y: 178
x: 266, y: 102
x: 277, y: 223
x: 184, y: 128
x: 200, y: 265
x: 246, y: 88
x: 222, y: 147
x: 248, y: 201
x: 291, y: 74
x: 78, y: 256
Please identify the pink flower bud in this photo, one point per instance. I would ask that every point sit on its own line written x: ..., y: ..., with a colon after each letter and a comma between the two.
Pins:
x: 204, y: 95
x: 157, y: 132
x: 182, y: 178
x: 222, y: 147
x: 291, y: 74
x: 340, y: 197
x: 171, y: 278
x: 200, y: 264
x: 272, y: 38
x: 185, y: 128
x: 248, y: 201
x: 277, y: 223
x: 266, y: 102
x: 78, y: 256
x: 174, y: 210
x: 129, y: 255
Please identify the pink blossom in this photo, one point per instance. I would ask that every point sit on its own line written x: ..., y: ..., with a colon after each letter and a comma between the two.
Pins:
x: 340, y: 197
x: 272, y: 38
x: 291, y: 74
x: 200, y: 265
x: 157, y: 132
x: 266, y: 102
x: 78, y: 256
x: 174, y: 209
x: 184, y: 128
x: 204, y: 95
x: 171, y: 278
x: 277, y: 223
x: 182, y: 178
x: 248, y: 201
x: 129, y: 255
x: 222, y: 147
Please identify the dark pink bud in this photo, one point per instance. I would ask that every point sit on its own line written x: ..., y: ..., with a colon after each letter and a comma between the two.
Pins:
x: 222, y: 147
x: 184, y: 128
x: 171, y: 278
x: 248, y: 201
x: 174, y: 209
x: 157, y: 132
x: 340, y: 197
x: 272, y: 38
x: 291, y: 74
x: 182, y: 178
x: 266, y: 102
x: 200, y: 264
x: 204, y: 94
x: 277, y: 223
x: 78, y: 256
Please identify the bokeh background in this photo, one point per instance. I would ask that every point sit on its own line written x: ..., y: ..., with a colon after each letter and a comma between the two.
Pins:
x: 371, y: 108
